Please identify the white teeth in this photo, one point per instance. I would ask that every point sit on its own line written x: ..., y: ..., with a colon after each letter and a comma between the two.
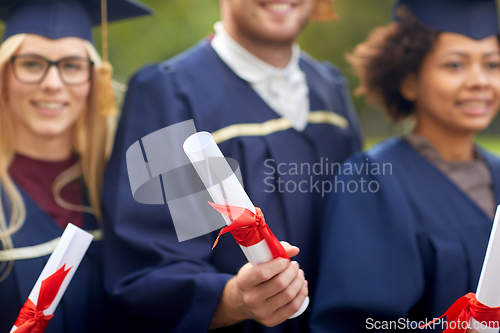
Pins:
x: 279, y: 7
x: 53, y: 106
x: 474, y: 104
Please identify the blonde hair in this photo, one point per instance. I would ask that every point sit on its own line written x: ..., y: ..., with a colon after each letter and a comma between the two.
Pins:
x: 91, y: 138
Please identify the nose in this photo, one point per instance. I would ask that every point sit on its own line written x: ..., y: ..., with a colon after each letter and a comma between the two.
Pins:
x: 52, y: 80
x: 478, y: 77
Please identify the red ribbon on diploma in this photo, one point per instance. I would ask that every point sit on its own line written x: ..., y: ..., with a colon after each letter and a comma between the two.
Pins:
x: 31, y: 318
x: 249, y: 229
x: 465, y: 307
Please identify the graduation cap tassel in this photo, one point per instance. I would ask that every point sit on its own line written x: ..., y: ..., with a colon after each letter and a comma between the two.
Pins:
x: 106, y: 98
x: 323, y: 11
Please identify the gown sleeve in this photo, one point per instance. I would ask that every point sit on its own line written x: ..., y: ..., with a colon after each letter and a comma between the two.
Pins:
x: 162, y: 284
x: 368, y: 252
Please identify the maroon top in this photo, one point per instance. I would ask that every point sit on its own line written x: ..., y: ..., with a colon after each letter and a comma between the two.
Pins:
x: 36, y: 177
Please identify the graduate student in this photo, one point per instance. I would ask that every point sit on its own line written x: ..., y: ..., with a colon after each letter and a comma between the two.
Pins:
x: 54, y: 143
x: 400, y: 251
x: 267, y: 104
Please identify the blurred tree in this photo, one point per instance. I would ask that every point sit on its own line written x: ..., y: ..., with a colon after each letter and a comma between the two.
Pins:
x: 179, y: 24
x: 332, y: 41
x: 175, y: 26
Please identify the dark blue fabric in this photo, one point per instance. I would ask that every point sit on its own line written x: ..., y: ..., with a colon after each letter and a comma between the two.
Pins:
x: 476, y: 19
x: 167, y: 286
x: 63, y: 18
x: 82, y: 307
x: 407, y: 251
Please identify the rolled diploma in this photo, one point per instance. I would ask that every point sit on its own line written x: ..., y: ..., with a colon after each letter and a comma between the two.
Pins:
x: 201, y: 146
x: 488, y: 289
x: 70, y: 250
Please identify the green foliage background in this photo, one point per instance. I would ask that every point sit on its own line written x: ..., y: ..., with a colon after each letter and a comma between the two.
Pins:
x: 179, y: 24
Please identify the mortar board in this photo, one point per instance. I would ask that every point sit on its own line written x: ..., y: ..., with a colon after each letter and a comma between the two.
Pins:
x: 476, y: 19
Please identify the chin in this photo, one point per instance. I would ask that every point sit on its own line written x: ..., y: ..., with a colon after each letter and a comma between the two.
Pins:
x: 280, y: 37
x: 276, y: 32
x: 49, y: 132
x: 480, y: 124
x: 473, y: 127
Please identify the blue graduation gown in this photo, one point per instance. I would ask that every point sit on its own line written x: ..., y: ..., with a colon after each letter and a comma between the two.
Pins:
x: 170, y: 286
x: 81, y: 308
x: 407, y: 251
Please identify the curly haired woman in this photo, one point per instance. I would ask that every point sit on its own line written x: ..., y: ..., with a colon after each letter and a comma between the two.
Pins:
x: 408, y: 235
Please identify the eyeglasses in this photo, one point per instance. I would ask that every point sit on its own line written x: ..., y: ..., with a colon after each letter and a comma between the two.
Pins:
x: 32, y: 68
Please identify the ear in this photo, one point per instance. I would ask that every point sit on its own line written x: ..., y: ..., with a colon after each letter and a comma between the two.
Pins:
x: 408, y: 87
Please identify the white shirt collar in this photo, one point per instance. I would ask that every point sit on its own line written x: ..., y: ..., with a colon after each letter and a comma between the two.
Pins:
x: 284, y: 90
x: 246, y: 65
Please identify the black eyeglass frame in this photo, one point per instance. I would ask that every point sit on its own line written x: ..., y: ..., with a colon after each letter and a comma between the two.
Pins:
x: 51, y: 63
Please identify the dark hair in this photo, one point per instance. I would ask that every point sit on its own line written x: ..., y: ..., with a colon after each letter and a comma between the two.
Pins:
x: 387, y: 57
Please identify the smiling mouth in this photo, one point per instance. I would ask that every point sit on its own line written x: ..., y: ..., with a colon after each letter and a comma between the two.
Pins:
x: 49, y: 105
x: 475, y: 107
x: 279, y: 7
x: 474, y: 104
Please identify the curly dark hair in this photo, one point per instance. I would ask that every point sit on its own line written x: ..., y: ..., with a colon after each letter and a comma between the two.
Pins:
x: 387, y: 57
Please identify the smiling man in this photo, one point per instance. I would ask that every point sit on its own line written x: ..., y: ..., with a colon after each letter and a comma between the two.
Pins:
x: 266, y: 104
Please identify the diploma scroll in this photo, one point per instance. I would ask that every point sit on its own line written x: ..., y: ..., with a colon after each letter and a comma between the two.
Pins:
x: 53, y: 280
x: 488, y: 289
x: 225, y: 189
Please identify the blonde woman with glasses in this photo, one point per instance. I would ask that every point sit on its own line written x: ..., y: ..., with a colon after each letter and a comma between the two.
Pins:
x: 55, y: 136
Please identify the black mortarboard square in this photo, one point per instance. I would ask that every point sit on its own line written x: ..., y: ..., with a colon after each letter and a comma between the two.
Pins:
x: 63, y: 18
x: 476, y: 19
